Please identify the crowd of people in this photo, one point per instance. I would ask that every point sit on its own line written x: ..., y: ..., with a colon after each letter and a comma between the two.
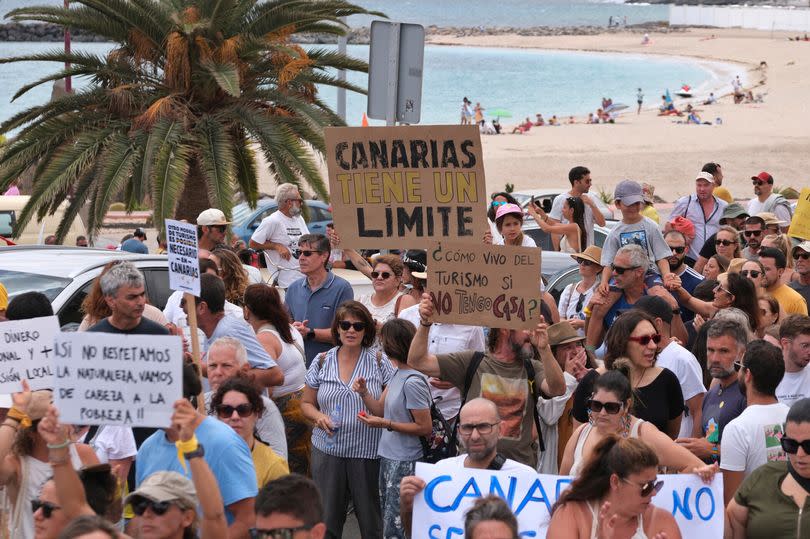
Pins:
x: 682, y: 348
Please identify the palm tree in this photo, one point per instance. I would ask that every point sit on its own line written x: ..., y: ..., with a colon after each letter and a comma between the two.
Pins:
x: 176, y: 110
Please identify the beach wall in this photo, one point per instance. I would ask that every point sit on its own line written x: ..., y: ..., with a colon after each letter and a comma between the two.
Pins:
x: 758, y: 18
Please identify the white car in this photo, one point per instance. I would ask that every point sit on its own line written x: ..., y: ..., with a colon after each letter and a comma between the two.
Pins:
x: 546, y: 198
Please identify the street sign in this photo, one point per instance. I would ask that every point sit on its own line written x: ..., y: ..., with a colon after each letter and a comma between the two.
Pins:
x: 395, y: 72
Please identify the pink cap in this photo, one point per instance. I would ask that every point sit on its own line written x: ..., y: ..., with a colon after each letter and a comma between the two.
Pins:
x: 507, y: 209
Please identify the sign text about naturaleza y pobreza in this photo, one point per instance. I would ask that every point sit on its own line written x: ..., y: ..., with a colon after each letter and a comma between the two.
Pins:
x: 112, y: 379
x: 26, y: 353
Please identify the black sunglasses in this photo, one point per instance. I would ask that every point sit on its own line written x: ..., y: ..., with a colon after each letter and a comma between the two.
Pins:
x: 749, y: 233
x: 384, y: 274
x: 277, y: 533
x: 226, y: 410
x: 140, y: 506
x: 345, y: 325
x: 759, y: 182
x: 620, y: 270
x: 792, y: 446
x: 221, y: 228
x: 648, y: 488
x: 803, y: 256
x: 724, y: 243
x: 301, y: 252
x: 48, y: 508
x: 679, y: 250
x: 595, y: 406
x: 750, y: 273
x: 586, y: 263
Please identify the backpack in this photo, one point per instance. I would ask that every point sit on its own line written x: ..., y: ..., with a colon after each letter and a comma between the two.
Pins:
x: 440, y: 444
x: 533, y: 390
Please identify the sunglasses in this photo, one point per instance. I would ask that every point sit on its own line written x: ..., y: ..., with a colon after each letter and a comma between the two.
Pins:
x: 140, y: 506
x: 226, y: 410
x: 724, y: 243
x: 753, y: 274
x: 644, y: 340
x: 620, y: 270
x: 277, y: 533
x: 803, y: 256
x: 720, y: 287
x: 380, y: 274
x: 759, y: 183
x: 357, y: 326
x: 48, y: 508
x: 307, y: 253
x: 586, y: 263
x: 595, y: 406
x: 496, y: 203
x: 651, y: 488
x: 749, y: 233
x: 679, y: 250
x: 792, y: 446
x: 221, y: 228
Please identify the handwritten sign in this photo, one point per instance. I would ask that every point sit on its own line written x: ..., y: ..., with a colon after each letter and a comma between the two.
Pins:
x: 112, y: 379
x: 485, y: 285
x: 405, y: 185
x: 439, y: 509
x: 800, y: 224
x: 184, y: 267
x: 26, y: 353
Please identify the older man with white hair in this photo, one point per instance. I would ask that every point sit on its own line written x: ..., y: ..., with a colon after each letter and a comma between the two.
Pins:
x: 278, y: 235
x: 227, y: 358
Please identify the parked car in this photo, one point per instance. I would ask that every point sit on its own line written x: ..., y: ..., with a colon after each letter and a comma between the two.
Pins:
x: 546, y: 198
x: 35, y: 231
x: 558, y: 281
x: 543, y: 240
x: 246, y: 220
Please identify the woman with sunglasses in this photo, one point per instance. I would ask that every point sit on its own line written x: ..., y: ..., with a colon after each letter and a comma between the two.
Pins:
x: 732, y: 290
x: 345, y: 462
x: 574, y: 237
x: 414, y: 273
x: 772, y: 501
x: 727, y: 242
x: 612, y: 496
x: 754, y: 271
x: 609, y: 413
x: 716, y: 265
x: 576, y: 296
x: 238, y: 403
x: 387, y: 300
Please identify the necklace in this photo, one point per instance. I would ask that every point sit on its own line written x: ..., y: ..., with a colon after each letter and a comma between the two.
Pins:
x: 641, y: 378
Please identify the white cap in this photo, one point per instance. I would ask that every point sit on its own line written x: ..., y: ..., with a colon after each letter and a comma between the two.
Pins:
x: 705, y: 176
x: 212, y: 216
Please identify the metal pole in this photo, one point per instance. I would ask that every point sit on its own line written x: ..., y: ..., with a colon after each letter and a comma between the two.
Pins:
x: 341, y: 92
x: 393, y: 75
x: 68, y: 84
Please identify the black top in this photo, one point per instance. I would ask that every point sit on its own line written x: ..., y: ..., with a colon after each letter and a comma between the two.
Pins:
x: 146, y: 327
x: 658, y: 402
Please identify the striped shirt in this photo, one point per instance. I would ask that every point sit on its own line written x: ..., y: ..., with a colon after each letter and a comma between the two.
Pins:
x: 353, y: 438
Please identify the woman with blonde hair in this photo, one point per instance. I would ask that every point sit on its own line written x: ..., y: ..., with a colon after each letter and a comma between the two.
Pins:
x: 727, y: 242
x: 233, y: 273
x: 781, y: 242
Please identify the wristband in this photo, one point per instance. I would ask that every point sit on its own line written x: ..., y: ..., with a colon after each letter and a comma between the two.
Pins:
x: 423, y: 324
x: 19, y: 416
x: 63, y: 445
x: 184, y: 447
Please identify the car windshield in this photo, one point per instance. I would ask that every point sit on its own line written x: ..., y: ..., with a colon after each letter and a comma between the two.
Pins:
x: 240, y: 213
x: 18, y: 282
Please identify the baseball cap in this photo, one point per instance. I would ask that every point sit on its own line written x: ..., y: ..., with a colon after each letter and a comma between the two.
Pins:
x: 804, y: 246
x: 704, y: 176
x: 734, y: 210
x: 628, y: 192
x: 656, y: 307
x: 563, y: 333
x: 763, y: 176
x: 139, y: 233
x: 506, y: 209
x: 212, y: 216
x: 166, y: 487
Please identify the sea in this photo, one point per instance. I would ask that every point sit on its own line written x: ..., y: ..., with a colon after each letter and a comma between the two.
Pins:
x: 517, y: 83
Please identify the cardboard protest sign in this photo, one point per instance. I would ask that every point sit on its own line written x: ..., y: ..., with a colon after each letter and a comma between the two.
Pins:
x: 26, y: 353
x: 485, y: 285
x: 113, y: 379
x: 800, y: 224
x: 184, y: 267
x: 401, y: 186
x: 438, y: 511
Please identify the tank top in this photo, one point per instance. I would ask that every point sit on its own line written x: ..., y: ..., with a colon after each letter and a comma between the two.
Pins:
x: 383, y: 313
x: 291, y: 361
x: 595, y: 522
x: 578, y: 459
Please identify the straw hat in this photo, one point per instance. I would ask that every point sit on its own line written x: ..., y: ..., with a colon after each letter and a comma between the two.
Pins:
x: 563, y: 333
x: 592, y: 254
x: 770, y: 218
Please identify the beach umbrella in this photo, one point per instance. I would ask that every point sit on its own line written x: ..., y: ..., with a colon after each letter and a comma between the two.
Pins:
x: 500, y: 113
x: 668, y: 98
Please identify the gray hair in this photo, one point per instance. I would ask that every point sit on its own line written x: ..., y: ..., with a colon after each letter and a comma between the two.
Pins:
x: 638, y: 256
x: 490, y: 508
x: 121, y: 274
x: 739, y: 316
x: 286, y: 191
x: 720, y: 327
x: 230, y: 342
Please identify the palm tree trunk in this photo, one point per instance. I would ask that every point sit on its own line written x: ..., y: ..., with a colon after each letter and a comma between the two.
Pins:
x: 195, y: 195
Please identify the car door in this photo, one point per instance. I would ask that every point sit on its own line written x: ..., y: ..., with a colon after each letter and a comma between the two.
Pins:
x: 157, y: 285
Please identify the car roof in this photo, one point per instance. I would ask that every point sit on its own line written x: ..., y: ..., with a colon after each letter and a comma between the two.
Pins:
x: 61, y: 261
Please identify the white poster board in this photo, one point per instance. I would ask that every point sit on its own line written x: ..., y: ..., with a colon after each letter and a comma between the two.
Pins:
x: 114, y: 379
x: 26, y: 353
x: 184, y: 267
x: 439, y: 510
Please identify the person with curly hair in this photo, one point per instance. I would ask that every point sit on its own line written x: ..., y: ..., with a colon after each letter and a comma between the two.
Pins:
x: 233, y: 273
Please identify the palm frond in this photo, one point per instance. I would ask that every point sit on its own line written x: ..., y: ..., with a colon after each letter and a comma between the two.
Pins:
x: 216, y: 162
x: 226, y: 75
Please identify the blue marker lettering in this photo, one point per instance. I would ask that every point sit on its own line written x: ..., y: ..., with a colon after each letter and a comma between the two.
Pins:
x: 470, y: 490
x: 434, y: 528
x: 536, y: 486
x: 700, y: 493
x: 454, y: 531
x: 495, y: 488
x: 429, y: 495
x: 683, y: 507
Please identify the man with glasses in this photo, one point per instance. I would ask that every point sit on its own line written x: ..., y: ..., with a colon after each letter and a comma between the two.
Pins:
x: 774, y: 263
x: 752, y: 438
x: 313, y: 300
x: 794, y: 337
x: 211, y: 227
x: 753, y: 232
x: 289, y: 507
x: 580, y: 179
x: 768, y: 201
x: 734, y: 216
x: 278, y: 236
x: 704, y: 209
x: 801, y: 265
x: 689, y: 277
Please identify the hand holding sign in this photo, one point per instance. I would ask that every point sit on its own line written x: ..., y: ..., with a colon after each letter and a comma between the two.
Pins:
x: 426, y: 309
x: 185, y: 419
x: 49, y: 428
x: 539, y: 335
x: 22, y: 399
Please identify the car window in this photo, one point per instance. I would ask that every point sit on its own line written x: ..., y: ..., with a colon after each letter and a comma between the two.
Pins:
x: 561, y: 281
x: 541, y: 239
x: 157, y: 286
x: 18, y: 282
x: 319, y: 214
x: 267, y: 212
x: 7, y: 221
x: 70, y: 314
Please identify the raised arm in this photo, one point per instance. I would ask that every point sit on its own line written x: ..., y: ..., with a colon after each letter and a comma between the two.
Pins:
x: 553, y: 383
x: 418, y: 356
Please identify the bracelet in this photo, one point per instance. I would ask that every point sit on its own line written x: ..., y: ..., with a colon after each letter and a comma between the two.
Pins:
x: 184, y: 447
x: 19, y: 416
x: 423, y: 324
x: 9, y: 425
x: 390, y: 428
x: 63, y: 445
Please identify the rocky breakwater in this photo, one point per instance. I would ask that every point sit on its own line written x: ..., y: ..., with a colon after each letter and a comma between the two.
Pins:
x: 41, y: 31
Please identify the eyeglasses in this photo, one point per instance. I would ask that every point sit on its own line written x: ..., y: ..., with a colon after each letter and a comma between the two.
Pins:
x: 380, y: 274
x: 792, y: 446
x: 482, y: 428
x: 644, y: 340
x: 303, y: 252
x: 749, y: 233
x: 140, y: 506
x: 620, y: 270
x: 753, y: 274
x: 226, y: 410
x: 612, y: 408
x: 221, y: 228
x: 357, y: 326
x: 720, y: 287
x: 586, y: 263
x: 650, y: 488
x: 803, y: 256
x: 678, y: 250
x: 277, y: 533
x: 48, y: 508
x: 724, y: 243
x: 496, y: 203
x: 738, y: 365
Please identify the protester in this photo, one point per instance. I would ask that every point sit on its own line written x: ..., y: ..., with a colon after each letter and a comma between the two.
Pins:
x: 754, y: 271
x: 29, y: 305
x: 510, y: 361
x: 489, y: 518
x: 765, y: 200
x: 801, y: 258
x: 717, y: 173
x: 232, y: 273
x: 703, y: 209
x: 211, y: 227
x: 794, y: 338
x: 577, y: 296
x: 752, y: 438
x: 716, y: 265
x: 414, y: 273
x: 403, y: 410
x: 770, y: 500
x: 734, y: 215
x: 137, y: 243
x: 732, y: 290
x: 770, y: 314
x: 774, y: 264
x: 290, y: 507
x: 314, y: 300
x: 580, y: 179
x: 573, y: 234
x: 345, y: 463
x: 649, y: 211
x: 783, y: 244
x: 498, y: 200
x: 753, y: 232
x: 89, y: 527
x: 386, y: 302
x: 238, y: 403
x: 269, y: 319
x: 678, y: 266
x: 509, y: 222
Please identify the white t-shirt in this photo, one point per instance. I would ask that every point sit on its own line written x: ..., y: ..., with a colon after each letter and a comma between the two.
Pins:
x: 782, y: 212
x: 175, y: 315
x: 279, y: 228
x: 794, y: 386
x: 686, y: 367
x: 752, y: 438
x: 457, y: 463
x: 112, y: 443
x: 527, y: 241
x: 556, y: 213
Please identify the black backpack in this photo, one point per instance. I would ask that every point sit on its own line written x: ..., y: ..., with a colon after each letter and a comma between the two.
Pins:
x: 441, y: 443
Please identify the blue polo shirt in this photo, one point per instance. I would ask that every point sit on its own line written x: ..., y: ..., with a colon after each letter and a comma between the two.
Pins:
x: 689, y: 280
x: 317, y: 306
x: 230, y: 326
